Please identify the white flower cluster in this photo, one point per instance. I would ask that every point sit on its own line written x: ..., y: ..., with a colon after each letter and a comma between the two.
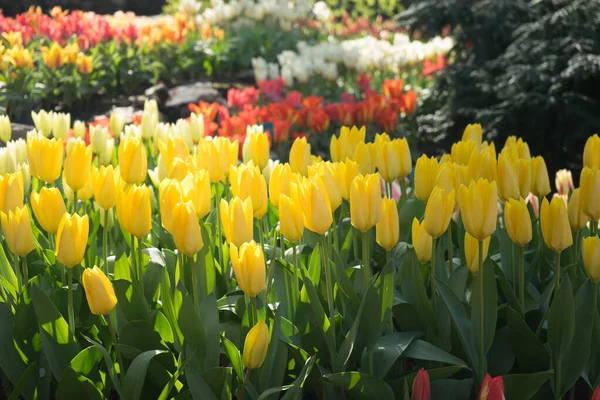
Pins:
x: 285, y: 11
x: 364, y: 54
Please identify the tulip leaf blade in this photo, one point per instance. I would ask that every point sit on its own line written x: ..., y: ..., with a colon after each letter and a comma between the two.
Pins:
x: 233, y: 353
x: 6, y: 271
x: 284, y: 287
x: 273, y: 368
x: 422, y: 350
x: 192, y: 329
x: 561, y: 320
x: 344, y: 283
x: 136, y: 373
x: 131, y: 301
x: 504, y: 286
x: 169, y: 307
x: 110, y: 366
x: 388, y: 349
x: 524, y: 386
x: 205, y: 265
x: 490, y: 307
x: 295, y: 390
x: 199, y: 388
x: 360, y: 386
x: 209, y: 315
x: 154, y: 270
x: 531, y: 353
x: 73, y: 385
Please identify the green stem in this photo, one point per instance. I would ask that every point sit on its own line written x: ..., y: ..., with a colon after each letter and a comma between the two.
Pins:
x: 243, y: 388
x: 269, y: 274
x: 366, y: 264
x: 132, y: 256
x: 195, y: 294
x: 329, y: 284
x: 450, y: 249
x: 432, y: 273
x: 75, y: 202
x: 18, y: 273
x: 336, y: 242
x: 557, y: 273
x: 577, y: 246
x: 481, y: 316
x: 220, y: 234
x: 522, y: 278
x: 296, y: 279
x: 113, y: 335
x: 512, y: 266
x: 140, y: 266
x: 25, y: 271
x: 71, y: 314
x: 254, y: 310
x: 105, y: 247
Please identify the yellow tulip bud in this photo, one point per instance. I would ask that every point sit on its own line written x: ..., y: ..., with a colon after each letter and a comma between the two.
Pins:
x: 508, y: 181
x: 248, y: 182
x: 447, y: 177
x: 516, y: 148
x: 136, y: 198
x: 518, y: 221
x: 49, y: 208
x: 314, y: 202
x: 5, y: 128
x: 61, y: 123
x: 344, y: 147
x: 346, y: 172
x: 300, y: 156
x: 421, y: 241
x: 365, y: 202
x: 540, y: 182
x: 554, y: 220
x: 248, y: 262
x: 45, y: 157
x: 365, y: 155
x: 132, y: 160
x: 16, y: 228
x: 186, y: 229
x: 78, y: 165
x: 236, y: 217
x: 482, y: 164
x: 180, y: 168
x: 256, y: 345
x: 171, y: 193
x: 196, y: 188
x: 589, y: 186
x: 281, y: 176
x: 461, y: 151
x: 99, y: 291
x: 98, y: 138
x: 117, y: 123
x: 79, y: 130
x: 479, y: 207
x: 590, y: 252
x: 577, y: 218
x: 106, y: 185
x: 256, y: 147
x: 438, y: 211
x: 42, y: 121
x: 326, y: 171
x: 174, y: 147
x: 387, y: 230
x: 472, y: 132
x: 12, y: 191
x: 291, y: 223
x: 591, y: 152
x: 426, y: 172
x: 472, y: 252
x: 71, y: 239
x: 393, y: 159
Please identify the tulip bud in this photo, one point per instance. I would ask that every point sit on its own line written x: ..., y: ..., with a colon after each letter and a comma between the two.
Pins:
x: 173, y: 147
x: 492, y: 389
x: 472, y: 132
x: 554, y: 220
x: 136, y: 198
x: 365, y: 202
x: 117, y: 123
x: 438, y: 211
x: 43, y: 122
x: 365, y: 155
x: 149, y: 124
x: 471, y: 247
x: 393, y: 159
x: 461, y: 151
x: 171, y: 193
x: 256, y: 146
x: 78, y: 165
x: 99, y: 291
x: 314, y: 202
x: 346, y: 172
x: 18, y: 149
x: 540, y: 183
x: 591, y: 152
x: 518, y: 221
x: 249, y: 182
x: 196, y: 127
x: 16, y: 228
x: 421, y: 389
x: 482, y: 164
x: 186, y: 229
x: 236, y: 217
x: 387, y: 230
x: 105, y: 158
x: 24, y: 170
x: 590, y: 191
x: 279, y: 184
x: 98, y: 138
x: 196, y: 188
x: 596, y: 394
x: 5, y: 128
x: 256, y: 345
x: 326, y: 171
x: 60, y: 125
x: 577, y: 218
x: 291, y: 223
x: 300, y: 156
x: 49, y: 208
x: 344, y: 147
x: 508, y: 182
x: 106, y: 185
x: 590, y: 252
x: 516, y: 148
x: 479, y: 207
x: 71, y: 239
x: 180, y: 168
x: 7, y: 161
x: 563, y: 181
x: 45, y: 157
x: 216, y: 156
x: 248, y: 262
x: 268, y: 170
x: 426, y: 172
x: 12, y: 191
x: 132, y: 160
x: 447, y: 179
x: 422, y: 241
x: 79, y: 129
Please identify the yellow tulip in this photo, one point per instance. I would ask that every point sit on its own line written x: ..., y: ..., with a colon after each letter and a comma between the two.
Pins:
x: 421, y: 241
x: 438, y: 211
x: 279, y: 184
x: 291, y: 222
x: 83, y: 195
x: 196, y: 188
x: 180, y: 168
x: 106, y: 185
x: 247, y: 182
x: 171, y: 193
x: 71, y: 239
x: 473, y: 132
x: 540, y: 182
x: 99, y: 291
x: 78, y: 165
x: 577, y: 218
x: 589, y: 186
x: 49, y: 208
x: 256, y: 345
x: 508, y: 181
x: 45, y: 157
x: 12, y: 191
x: 426, y: 172
x: 345, y: 173
x: 482, y: 164
x: 186, y: 229
x: 365, y: 202
x: 132, y: 159
x: 314, y: 202
x: 590, y: 252
x: 16, y: 228
x: 461, y: 151
x: 344, y: 147
x: 479, y: 207
x: 174, y: 147
x: 516, y: 148
x: 117, y: 123
x: 387, y: 230
x: 236, y: 217
x: 393, y: 159
x: 523, y: 168
x: 326, y: 171
x: 591, y: 152
x: 462, y: 174
x: 300, y: 156
x: 256, y: 147
x: 447, y: 177
x: 136, y: 198
x: 472, y: 252
x: 555, y: 224
x: 248, y: 262
x: 517, y: 221
x: 365, y: 155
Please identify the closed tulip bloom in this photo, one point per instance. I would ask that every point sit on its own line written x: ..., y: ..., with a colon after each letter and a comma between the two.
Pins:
x: 472, y: 252
x: 438, y: 211
x: 5, y: 128
x: 78, y: 165
x: 236, y: 217
x: 365, y: 202
x: 479, y: 207
x: 16, y: 228
x: 540, y: 182
x: 173, y: 147
x: 171, y: 193
x: 421, y: 388
x: 326, y: 171
x: 516, y: 148
x: 344, y: 147
x: 508, y: 181
x: 106, y: 185
x: 256, y: 345
x: 117, y: 123
x: 482, y: 165
x: 563, y: 181
x: 180, y: 168
x: 45, y: 157
x: 346, y: 172
x: 196, y: 188
x: 447, y: 178
x: 256, y: 148
x: 132, y: 160
x: 186, y: 229
x: 590, y: 252
x: 518, y: 221
x: 387, y: 230
x: 248, y: 262
x: 426, y: 171
x: 49, y: 208
x: 300, y: 156
x: 393, y: 159
x: 227, y: 154
x: 591, y: 152
x: 42, y: 121
x: 473, y: 132
x: 314, y: 201
x: 555, y: 224
x: 98, y: 138
x: 291, y: 220
x: 61, y: 123
x: 279, y: 184
x: 12, y: 191
x: 365, y: 155
x: 247, y: 181
x: 135, y: 198
x: 461, y: 151
x: 421, y: 241
x: 71, y: 239
x: 589, y: 188
x: 99, y: 291
x: 492, y: 389
x: 577, y: 218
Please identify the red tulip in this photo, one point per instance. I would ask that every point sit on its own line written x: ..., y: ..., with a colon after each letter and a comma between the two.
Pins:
x: 492, y: 388
x: 596, y: 395
x: 421, y: 389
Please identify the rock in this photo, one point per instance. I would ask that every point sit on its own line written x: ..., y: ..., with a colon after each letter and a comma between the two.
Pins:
x: 158, y: 92
x: 182, y: 95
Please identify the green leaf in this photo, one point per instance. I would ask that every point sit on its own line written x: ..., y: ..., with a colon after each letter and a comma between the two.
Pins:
x: 507, y: 291
x: 205, y: 264
x: 11, y: 362
x: 233, y: 353
x: 284, y: 287
x: 154, y: 271
x: 360, y: 386
x: 531, y: 353
x: 388, y: 349
x: 524, y: 386
x: 131, y: 301
x: 489, y: 307
x: 73, y: 385
x: 199, y: 388
x: 344, y: 283
x: 191, y: 327
x: 209, y: 315
x: 6, y: 270
x: 295, y: 391
x: 19, y: 387
x: 86, y: 360
x: 136, y: 374
x: 422, y: 350
x: 141, y: 335
x: 110, y: 366
x: 273, y: 369
x: 314, y: 271
x: 219, y: 380
x: 169, y: 307
x: 451, y: 389
x: 412, y: 208
x: 162, y: 326
x: 561, y: 320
